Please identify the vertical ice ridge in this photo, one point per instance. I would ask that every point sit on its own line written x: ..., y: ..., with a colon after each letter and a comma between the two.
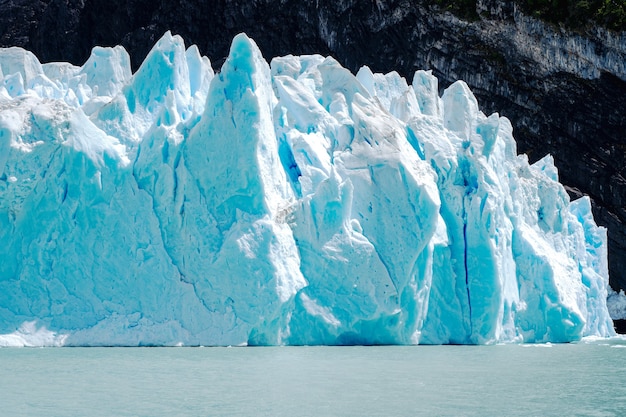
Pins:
x: 465, y: 267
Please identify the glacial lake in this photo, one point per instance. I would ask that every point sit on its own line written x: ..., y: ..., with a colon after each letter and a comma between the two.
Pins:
x: 585, y: 379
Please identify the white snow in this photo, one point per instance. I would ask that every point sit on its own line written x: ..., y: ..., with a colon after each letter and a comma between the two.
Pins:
x: 291, y: 203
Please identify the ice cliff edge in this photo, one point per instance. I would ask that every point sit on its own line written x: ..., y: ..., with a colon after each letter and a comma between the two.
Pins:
x: 290, y: 203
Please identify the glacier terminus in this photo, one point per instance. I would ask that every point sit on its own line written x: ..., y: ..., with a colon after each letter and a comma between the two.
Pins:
x: 285, y: 203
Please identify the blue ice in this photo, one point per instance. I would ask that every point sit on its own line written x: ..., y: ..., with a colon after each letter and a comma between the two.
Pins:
x: 283, y: 203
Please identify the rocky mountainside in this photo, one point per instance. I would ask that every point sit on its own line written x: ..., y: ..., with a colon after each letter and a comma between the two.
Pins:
x: 564, y: 91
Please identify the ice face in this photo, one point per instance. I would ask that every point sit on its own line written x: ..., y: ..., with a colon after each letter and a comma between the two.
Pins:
x: 291, y: 203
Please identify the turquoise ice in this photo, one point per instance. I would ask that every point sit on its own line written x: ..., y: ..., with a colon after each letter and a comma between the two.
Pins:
x: 282, y: 203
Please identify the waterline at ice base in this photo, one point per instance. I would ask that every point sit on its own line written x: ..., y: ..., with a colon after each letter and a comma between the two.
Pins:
x: 285, y: 203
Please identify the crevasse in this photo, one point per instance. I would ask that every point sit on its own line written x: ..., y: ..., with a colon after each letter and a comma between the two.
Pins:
x: 289, y: 203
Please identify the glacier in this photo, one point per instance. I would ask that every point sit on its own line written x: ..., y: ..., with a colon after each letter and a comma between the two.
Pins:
x: 289, y: 203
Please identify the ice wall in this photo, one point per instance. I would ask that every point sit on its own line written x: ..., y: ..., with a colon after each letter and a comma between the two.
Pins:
x: 291, y: 203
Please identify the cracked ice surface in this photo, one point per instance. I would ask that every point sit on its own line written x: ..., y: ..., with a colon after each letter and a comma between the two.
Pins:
x: 291, y: 203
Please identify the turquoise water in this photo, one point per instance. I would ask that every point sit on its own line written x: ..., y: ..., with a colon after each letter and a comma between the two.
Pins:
x: 511, y: 380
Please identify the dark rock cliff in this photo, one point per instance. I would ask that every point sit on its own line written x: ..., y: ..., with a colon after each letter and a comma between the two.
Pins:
x: 564, y: 92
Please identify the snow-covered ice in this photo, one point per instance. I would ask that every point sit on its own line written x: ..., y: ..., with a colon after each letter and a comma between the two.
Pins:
x: 282, y: 203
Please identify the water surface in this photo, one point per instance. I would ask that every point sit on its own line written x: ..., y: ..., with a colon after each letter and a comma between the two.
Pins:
x: 510, y: 380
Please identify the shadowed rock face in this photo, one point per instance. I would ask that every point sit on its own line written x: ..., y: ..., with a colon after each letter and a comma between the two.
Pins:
x: 565, y: 93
